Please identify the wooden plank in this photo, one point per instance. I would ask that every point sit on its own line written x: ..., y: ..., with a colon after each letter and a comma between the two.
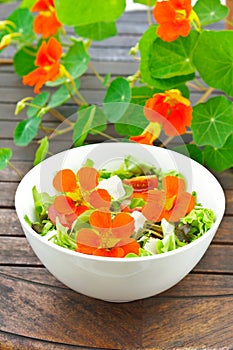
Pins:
x: 196, y: 323
x: 194, y: 284
x: 40, y: 307
x: 142, y: 324
x: 10, y: 341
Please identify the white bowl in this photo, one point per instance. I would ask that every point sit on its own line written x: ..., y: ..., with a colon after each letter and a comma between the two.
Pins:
x: 119, y: 279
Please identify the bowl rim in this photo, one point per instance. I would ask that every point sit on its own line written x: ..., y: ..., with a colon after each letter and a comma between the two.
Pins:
x: 124, y: 259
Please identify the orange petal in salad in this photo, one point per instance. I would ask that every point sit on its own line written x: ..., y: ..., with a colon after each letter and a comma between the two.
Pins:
x: 65, y: 181
x: 88, y: 178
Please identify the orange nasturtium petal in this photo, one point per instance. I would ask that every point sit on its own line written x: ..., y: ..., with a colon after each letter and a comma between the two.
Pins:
x: 173, y: 185
x: 46, y: 22
x: 65, y: 181
x: 122, y: 225
x: 88, y: 238
x: 99, y: 199
x: 173, y: 18
x: 64, y: 205
x: 88, y: 178
x: 101, y: 220
x: 49, y: 53
x: 42, y: 5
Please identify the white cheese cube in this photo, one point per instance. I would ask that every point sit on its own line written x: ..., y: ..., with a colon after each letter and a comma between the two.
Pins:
x: 114, y: 187
x: 139, y: 219
x: 150, y: 245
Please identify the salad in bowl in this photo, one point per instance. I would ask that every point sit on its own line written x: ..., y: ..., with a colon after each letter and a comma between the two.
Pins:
x: 119, y: 221
x: 134, y: 210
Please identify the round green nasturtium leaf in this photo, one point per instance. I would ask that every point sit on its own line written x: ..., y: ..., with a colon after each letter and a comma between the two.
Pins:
x: 72, y: 12
x: 24, y: 60
x: 62, y: 94
x: 213, y: 58
x: 210, y: 11
x: 40, y: 101
x: 132, y: 122
x: 76, y: 60
x: 23, y: 20
x: 145, y: 2
x: 97, y: 31
x: 42, y: 150
x: 26, y: 130
x: 117, y: 99
x: 90, y: 120
x: 220, y: 159
x: 212, y: 121
x: 191, y: 151
x: 168, y: 76
x: 5, y: 156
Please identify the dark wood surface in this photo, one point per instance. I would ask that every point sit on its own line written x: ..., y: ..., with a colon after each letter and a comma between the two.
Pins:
x: 38, y: 312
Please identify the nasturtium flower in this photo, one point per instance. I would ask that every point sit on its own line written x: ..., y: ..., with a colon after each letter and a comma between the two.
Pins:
x: 108, y: 236
x: 174, y: 18
x: 171, y: 110
x: 149, y: 134
x: 46, y: 22
x: 47, y: 61
x: 172, y: 202
x: 78, y: 194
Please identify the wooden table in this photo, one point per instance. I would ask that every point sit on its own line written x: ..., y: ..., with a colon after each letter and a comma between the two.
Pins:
x: 38, y: 312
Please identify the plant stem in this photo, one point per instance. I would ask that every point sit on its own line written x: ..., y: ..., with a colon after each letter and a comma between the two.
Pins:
x: 164, y: 144
x: 105, y: 135
x: 149, y: 19
x: 206, y: 95
x: 196, y: 87
x: 60, y: 132
x: 59, y: 116
x: 15, y: 169
x: 98, y: 76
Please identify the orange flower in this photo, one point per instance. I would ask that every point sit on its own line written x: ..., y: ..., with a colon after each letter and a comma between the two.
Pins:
x: 174, y: 18
x: 171, y: 203
x: 48, y: 66
x: 108, y: 237
x: 46, y: 22
x: 149, y: 135
x: 79, y: 195
x: 171, y: 110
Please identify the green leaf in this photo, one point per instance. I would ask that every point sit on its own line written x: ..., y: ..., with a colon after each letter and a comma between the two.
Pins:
x: 140, y: 94
x: 26, y: 130
x: 167, y: 60
x: 42, y: 150
x: 5, y: 156
x: 213, y: 58
x: 145, y: 2
x: 212, y: 122
x: 97, y: 31
x: 62, y: 95
x: 24, y: 60
x: 39, y: 101
x: 220, y: 159
x: 191, y: 151
x: 133, y: 121
x: 90, y: 120
x: 23, y: 20
x: 117, y: 99
x: 27, y: 3
x: 146, y: 44
x: 210, y: 11
x: 72, y: 12
x: 76, y: 59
